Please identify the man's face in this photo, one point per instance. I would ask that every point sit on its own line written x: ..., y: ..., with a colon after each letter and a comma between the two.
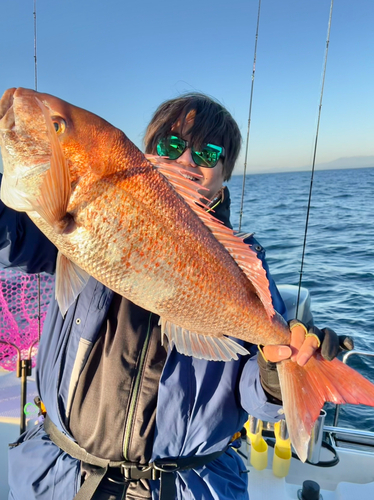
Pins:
x: 209, y: 178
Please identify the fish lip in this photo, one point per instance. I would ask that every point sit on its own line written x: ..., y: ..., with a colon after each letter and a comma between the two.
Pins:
x: 6, y: 101
x: 7, y: 119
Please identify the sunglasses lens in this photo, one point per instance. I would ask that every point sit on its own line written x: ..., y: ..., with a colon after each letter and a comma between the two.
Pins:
x: 172, y: 147
x: 208, y: 157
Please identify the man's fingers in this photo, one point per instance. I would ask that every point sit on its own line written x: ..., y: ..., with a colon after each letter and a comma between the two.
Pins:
x: 306, y: 351
x: 297, y: 340
x: 275, y: 353
x: 304, y: 343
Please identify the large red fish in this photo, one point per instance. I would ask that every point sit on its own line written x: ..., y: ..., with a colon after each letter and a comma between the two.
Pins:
x: 138, y: 228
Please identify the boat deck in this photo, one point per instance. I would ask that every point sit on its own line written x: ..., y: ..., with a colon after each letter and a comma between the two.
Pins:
x: 352, y: 477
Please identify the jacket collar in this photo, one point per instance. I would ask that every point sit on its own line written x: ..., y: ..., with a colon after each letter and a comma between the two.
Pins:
x: 220, y: 207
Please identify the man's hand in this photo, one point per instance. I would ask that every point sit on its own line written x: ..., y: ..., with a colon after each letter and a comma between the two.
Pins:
x: 304, y: 343
x: 301, y: 348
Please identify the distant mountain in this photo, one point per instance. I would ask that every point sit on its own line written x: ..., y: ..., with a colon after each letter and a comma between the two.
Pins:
x: 347, y: 162
x: 340, y: 163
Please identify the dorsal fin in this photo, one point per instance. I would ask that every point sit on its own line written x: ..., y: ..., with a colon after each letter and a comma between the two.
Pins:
x: 243, y: 255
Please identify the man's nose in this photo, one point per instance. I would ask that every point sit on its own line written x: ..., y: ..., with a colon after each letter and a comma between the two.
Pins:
x: 186, y: 158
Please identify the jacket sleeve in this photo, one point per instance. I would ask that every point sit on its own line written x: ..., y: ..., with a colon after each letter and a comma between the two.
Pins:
x: 22, y: 244
x: 252, y: 396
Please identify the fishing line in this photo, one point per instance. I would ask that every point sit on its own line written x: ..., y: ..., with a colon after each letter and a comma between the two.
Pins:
x: 314, y: 155
x: 36, y: 88
x: 249, y: 115
x: 35, y: 57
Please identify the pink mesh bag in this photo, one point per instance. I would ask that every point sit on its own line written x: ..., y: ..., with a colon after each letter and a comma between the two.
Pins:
x: 20, y: 308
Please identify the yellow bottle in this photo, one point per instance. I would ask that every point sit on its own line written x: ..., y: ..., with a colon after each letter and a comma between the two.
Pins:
x: 259, y: 447
x: 282, y: 450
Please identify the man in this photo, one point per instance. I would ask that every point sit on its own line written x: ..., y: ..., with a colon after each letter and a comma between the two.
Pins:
x: 113, y: 392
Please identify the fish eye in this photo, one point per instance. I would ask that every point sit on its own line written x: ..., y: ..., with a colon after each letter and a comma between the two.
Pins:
x: 59, y: 124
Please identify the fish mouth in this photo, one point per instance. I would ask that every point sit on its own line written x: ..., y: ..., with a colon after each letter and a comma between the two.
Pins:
x: 21, y: 141
x: 7, y: 121
x: 7, y: 117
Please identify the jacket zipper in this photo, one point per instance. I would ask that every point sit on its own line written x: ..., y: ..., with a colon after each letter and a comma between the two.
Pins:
x: 135, y: 393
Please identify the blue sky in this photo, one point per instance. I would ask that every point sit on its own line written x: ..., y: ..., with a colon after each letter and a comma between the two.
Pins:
x: 120, y: 59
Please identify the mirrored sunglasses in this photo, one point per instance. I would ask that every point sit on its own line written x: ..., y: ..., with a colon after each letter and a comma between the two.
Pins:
x: 173, y: 147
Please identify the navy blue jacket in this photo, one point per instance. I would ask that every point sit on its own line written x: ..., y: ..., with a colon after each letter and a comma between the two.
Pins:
x: 201, y: 404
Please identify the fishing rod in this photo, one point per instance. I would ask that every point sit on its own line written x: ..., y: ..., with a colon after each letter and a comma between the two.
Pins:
x: 315, y: 142
x: 249, y: 115
x: 35, y: 55
x: 314, y: 156
x: 24, y: 366
x: 36, y: 88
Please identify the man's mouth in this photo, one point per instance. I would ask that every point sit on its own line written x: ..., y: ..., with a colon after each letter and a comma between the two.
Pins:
x: 191, y: 177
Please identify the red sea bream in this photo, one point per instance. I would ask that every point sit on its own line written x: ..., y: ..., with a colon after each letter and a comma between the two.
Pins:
x: 138, y: 227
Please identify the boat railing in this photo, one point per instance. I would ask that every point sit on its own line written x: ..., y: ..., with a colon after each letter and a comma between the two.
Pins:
x: 345, y: 361
x: 346, y: 435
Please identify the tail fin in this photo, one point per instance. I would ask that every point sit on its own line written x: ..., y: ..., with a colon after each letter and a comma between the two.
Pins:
x: 305, y: 390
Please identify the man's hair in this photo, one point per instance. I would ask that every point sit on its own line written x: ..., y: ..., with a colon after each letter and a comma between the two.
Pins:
x: 212, y: 124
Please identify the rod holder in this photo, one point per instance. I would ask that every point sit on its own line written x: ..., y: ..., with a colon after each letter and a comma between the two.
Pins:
x: 315, y: 443
x: 257, y: 444
x: 282, y: 450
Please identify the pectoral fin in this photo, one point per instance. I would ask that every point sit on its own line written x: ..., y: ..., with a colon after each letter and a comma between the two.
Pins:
x: 201, y: 346
x: 56, y: 188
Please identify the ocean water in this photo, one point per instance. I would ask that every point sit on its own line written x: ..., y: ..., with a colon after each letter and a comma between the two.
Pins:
x: 339, y: 261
